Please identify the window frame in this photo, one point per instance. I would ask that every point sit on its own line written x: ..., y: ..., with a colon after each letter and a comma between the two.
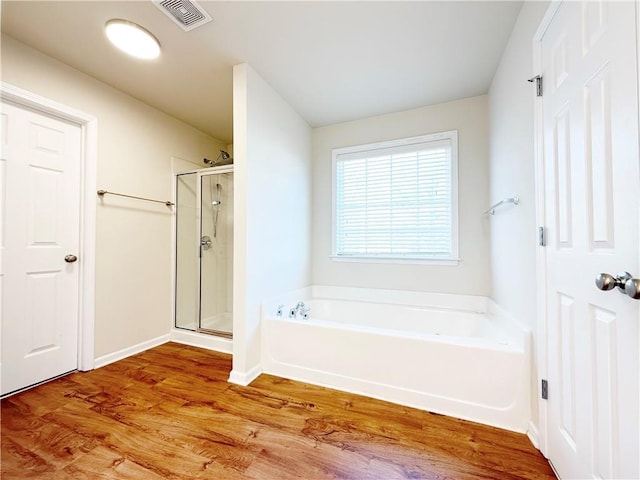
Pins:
x: 452, y: 137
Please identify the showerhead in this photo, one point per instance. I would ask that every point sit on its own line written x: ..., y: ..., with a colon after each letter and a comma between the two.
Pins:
x: 223, y: 158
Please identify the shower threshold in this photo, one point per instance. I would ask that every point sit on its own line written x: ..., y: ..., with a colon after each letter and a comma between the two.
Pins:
x: 217, y: 333
x: 220, y: 325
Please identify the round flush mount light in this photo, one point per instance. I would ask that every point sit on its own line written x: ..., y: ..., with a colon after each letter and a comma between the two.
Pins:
x: 132, y: 39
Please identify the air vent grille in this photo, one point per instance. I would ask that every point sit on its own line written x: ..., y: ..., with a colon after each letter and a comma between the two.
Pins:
x: 186, y: 13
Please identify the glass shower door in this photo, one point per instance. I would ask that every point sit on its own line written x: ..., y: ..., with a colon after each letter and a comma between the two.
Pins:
x: 187, y: 298
x: 216, y: 253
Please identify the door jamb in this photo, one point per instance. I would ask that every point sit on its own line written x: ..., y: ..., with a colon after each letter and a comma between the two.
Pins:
x: 88, y: 158
x: 541, y: 271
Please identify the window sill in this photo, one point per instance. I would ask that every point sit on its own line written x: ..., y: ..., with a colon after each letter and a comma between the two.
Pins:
x: 449, y: 262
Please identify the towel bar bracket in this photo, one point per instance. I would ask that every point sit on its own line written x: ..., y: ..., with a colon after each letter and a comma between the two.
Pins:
x: 492, y: 209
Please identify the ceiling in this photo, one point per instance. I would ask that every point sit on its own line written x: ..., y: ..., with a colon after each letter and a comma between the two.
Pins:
x: 331, y: 61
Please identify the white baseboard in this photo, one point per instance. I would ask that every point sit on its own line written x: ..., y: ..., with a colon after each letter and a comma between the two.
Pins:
x: 245, y: 378
x: 532, y: 433
x: 210, y: 342
x: 132, y: 350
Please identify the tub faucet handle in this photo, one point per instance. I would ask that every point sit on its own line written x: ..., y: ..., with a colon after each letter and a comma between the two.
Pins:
x: 279, y: 310
x: 299, y: 309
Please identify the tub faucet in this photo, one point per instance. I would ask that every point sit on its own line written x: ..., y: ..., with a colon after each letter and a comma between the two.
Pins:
x: 303, y: 310
x: 299, y: 309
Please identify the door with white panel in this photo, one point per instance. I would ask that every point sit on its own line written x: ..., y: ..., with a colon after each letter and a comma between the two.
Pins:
x: 592, y: 212
x: 39, y: 273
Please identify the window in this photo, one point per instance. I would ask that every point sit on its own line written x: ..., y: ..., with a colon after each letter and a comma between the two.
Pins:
x: 396, y: 201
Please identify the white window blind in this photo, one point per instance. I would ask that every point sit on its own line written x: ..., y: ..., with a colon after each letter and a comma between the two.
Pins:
x: 396, y: 200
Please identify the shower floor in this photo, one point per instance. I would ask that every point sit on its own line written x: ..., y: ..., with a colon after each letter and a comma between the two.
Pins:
x: 223, y: 322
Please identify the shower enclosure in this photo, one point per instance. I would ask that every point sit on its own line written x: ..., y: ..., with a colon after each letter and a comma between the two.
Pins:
x: 204, y: 251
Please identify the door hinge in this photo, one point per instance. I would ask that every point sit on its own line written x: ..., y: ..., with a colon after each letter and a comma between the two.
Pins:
x: 542, y: 237
x: 538, y: 80
x: 545, y: 390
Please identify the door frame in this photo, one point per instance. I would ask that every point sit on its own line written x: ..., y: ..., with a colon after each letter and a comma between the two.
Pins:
x: 541, y: 254
x: 88, y: 167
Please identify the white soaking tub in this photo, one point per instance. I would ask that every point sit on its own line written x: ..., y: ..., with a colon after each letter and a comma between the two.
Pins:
x: 450, y: 354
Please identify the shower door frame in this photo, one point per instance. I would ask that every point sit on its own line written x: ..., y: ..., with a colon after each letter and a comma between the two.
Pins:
x: 204, y: 172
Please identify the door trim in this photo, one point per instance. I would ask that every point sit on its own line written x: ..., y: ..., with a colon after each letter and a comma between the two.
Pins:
x: 541, y: 257
x: 88, y: 158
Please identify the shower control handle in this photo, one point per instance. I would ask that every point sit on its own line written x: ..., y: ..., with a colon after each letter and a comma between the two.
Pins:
x: 70, y: 258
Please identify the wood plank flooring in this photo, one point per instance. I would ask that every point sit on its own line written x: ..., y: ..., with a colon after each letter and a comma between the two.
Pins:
x: 169, y: 413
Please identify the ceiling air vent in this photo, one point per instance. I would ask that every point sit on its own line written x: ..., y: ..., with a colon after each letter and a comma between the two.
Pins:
x: 186, y: 13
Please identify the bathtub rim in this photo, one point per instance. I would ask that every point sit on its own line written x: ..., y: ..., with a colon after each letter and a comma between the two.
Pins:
x: 517, y: 332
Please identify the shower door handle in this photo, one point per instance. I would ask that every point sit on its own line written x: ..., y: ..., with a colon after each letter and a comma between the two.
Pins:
x: 205, y: 242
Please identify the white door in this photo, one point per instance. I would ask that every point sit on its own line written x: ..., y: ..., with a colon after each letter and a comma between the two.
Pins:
x: 592, y: 199
x: 40, y: 195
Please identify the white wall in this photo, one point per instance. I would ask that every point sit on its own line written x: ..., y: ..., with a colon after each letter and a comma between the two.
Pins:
x: 470, y: 117
x: 272, y: 148
x: 513, y: 229
x: 133, y: 239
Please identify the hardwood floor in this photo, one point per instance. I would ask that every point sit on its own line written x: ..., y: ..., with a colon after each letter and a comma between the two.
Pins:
x: 170, y: 413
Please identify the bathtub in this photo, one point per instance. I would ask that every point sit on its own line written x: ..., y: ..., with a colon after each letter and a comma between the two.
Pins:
x: 449, y: 354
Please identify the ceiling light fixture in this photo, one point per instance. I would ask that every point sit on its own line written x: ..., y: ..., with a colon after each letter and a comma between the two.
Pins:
x: 133, y: 39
